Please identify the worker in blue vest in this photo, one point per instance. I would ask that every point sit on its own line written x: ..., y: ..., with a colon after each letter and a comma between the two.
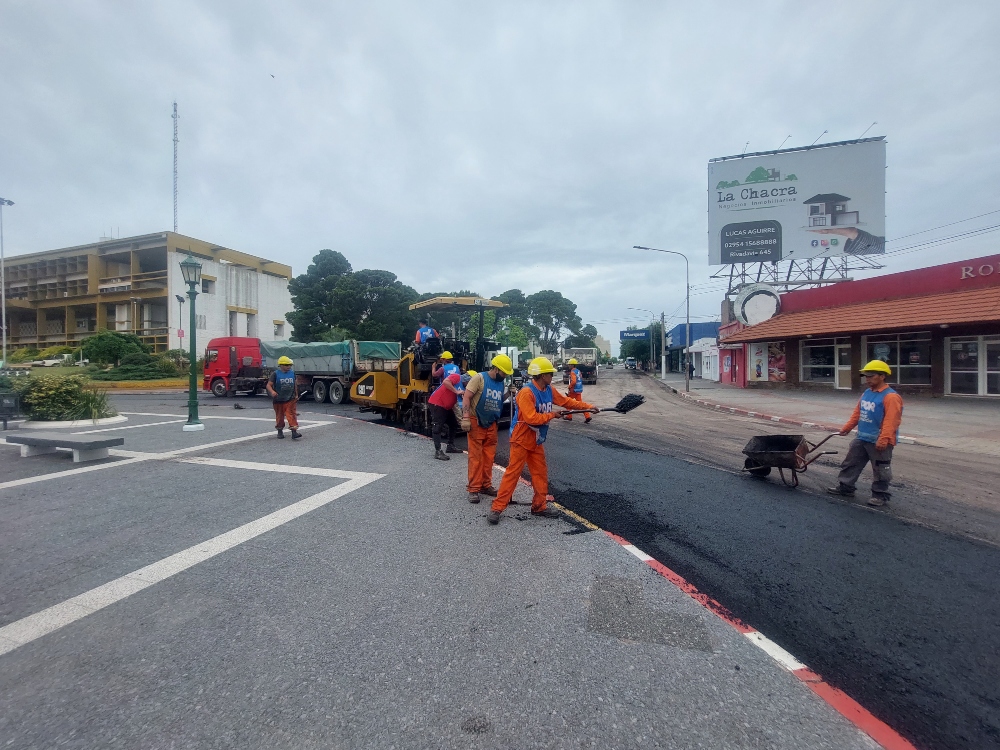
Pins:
x: 575, y: 390
x: 284, y: 396
x: 424, y: 332
x: 877, y: 417
x: 481, y: 408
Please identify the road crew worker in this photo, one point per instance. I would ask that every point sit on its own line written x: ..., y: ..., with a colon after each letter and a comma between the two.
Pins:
x: 424, y: 332
x: 481, y: 408
x: 877, y: 417
x: 442, y: 403
x: 284, y: 397
x: 575, y: 390
x: 444, y: 367
x: 529, y: 426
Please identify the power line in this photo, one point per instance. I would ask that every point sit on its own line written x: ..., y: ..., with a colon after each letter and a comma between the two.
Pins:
x: 951, y: 224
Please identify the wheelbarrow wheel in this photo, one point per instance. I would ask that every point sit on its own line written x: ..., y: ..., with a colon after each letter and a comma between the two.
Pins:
x: 756, y: 469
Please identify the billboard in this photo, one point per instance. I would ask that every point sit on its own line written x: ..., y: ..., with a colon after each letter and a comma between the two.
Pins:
x: 642, y: 335
x: 811, y: 202
x: 767, y: 362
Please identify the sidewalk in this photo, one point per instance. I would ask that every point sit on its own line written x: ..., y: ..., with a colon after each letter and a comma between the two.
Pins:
x: 968, y: 424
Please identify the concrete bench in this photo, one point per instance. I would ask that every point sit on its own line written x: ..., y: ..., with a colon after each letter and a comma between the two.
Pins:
x: 84, y: 447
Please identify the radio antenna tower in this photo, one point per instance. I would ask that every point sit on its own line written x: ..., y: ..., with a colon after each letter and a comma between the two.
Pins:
x: 175, y: 118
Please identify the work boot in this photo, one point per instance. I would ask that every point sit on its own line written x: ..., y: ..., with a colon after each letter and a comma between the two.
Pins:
x: 473, y: 497
x: 587, y: 420
x: 841, y: 490
x: 296, y: 434
x: 440, y: 456
x: 488, y: 491
x: 493, y: 518
x: 546, y: 513
x: 877, y: 501
x: 281, y: 434
x: 453, y: 449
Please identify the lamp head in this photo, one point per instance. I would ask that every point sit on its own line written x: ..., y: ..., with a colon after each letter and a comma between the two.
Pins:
x: 191, y: 271
x: 179, y: 298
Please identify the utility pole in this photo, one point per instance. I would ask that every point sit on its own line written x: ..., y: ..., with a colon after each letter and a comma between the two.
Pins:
x: 3, y: 285
x: 687, y: 315
x: 663, y: 347
x: 176, y: 117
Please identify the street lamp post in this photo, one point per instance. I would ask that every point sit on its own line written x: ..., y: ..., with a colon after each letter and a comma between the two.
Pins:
x: 3, y: 285
x: 652, y: 315
x: 191, y: 273
x: 687, y: 314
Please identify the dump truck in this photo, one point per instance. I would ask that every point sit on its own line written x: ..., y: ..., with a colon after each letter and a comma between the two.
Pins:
x: 400, y: 395
x: 324, y: 370
x: 587, y: 364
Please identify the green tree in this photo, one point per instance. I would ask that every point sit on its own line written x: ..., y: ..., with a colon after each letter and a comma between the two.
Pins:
x: 312, y: 295
x: 758, y: 175
x: 551, y: 313
x: 583, y: 340
x: 109, y: 347
x: 373, y: 305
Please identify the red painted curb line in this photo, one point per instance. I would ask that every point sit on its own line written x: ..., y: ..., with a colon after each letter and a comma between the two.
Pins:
x: 846, y: 706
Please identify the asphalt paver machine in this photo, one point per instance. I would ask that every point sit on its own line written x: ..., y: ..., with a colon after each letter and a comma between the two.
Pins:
x: 401, y: 395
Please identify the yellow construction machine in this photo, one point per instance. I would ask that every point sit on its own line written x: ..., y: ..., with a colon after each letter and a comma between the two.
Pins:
x: 401, y: 395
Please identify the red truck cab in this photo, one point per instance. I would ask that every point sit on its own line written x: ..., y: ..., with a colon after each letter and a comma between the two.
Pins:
x: 232, y: 363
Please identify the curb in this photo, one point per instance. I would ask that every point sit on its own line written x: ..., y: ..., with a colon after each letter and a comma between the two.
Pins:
x: 769, y: 417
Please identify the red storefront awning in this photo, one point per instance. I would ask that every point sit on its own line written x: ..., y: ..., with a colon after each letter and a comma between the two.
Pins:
x: 910, y: 313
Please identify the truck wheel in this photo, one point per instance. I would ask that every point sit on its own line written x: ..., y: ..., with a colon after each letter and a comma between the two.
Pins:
x: 319, y: 391
x: 219, y: 389
x: 336, y: 393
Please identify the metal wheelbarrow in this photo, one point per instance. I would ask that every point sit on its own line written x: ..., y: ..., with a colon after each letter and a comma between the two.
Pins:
x: 792, y: 452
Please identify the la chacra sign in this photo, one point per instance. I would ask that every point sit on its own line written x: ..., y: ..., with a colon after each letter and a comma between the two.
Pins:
x: 811, y: 202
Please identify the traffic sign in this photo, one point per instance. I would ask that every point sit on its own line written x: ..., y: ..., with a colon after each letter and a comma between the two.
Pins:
x: 180, y: 333
x: 642, y: 335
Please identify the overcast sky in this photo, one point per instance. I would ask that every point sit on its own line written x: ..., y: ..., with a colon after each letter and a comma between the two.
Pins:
x: 484, y: 145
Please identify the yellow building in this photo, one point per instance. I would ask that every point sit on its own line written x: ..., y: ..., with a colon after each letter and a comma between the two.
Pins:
x: 131, y: 284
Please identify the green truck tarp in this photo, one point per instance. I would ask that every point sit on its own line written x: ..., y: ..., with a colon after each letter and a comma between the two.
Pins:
x: 329, y: 358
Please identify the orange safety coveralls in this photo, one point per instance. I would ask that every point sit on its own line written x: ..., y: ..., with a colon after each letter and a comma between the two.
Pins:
x: 525, y: 448
x: 571, y: 394
x: 285, y: 410
x: 482, y: 443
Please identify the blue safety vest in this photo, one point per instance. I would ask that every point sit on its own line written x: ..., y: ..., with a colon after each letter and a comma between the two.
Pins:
x: 543, y: 405
x: 284, y: 385
x: 490, y: 401
x: 426, y: 332
x: 872, y: 413
x: 578, y: 385
x: 451, y: 369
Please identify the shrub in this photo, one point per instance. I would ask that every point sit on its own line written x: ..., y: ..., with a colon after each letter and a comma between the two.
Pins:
x: 6, y: 384
x: 55, y: 352
x: 136, y: 359
x: 22, y: 355
x: 47, y: 398
x: 110, y: 347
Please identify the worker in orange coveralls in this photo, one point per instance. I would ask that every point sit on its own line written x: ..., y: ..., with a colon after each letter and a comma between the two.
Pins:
x: 482, y: 406
x: 529, y: 427
x: 575, y: 390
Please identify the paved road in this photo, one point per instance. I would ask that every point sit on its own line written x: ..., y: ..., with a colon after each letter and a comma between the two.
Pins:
x: 226, y: 589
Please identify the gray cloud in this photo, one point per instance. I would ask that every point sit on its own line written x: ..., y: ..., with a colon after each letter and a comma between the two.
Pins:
x: 541, y: 140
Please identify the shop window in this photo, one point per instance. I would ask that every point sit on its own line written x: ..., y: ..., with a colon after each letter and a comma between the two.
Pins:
x: 908, y: 354
x: 973, y: 365
x: 819, y: 363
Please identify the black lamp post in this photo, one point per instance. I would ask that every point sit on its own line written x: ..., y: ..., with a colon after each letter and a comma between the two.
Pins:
x: 191, y: 272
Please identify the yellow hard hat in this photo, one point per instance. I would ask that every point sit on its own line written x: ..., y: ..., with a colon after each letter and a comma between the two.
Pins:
x: 446, y: 355
x: 471, y: 372
x: 284, y: 361
x: 877, y: 365
x: 573, y: 361
x: 540, y: 366
x: 503, y: 364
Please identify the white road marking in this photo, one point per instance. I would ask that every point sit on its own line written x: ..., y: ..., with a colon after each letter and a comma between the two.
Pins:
x: 771, y: 648
x: 134, y: 457
x: 637, y: 552
x: 34, y: 626
x: 130, y: 427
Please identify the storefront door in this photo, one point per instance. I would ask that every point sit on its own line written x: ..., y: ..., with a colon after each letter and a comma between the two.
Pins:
x: 844, y: 374
x: 973, y: 366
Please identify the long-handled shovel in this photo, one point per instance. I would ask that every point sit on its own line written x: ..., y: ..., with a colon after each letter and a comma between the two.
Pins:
x: 627, y: 404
